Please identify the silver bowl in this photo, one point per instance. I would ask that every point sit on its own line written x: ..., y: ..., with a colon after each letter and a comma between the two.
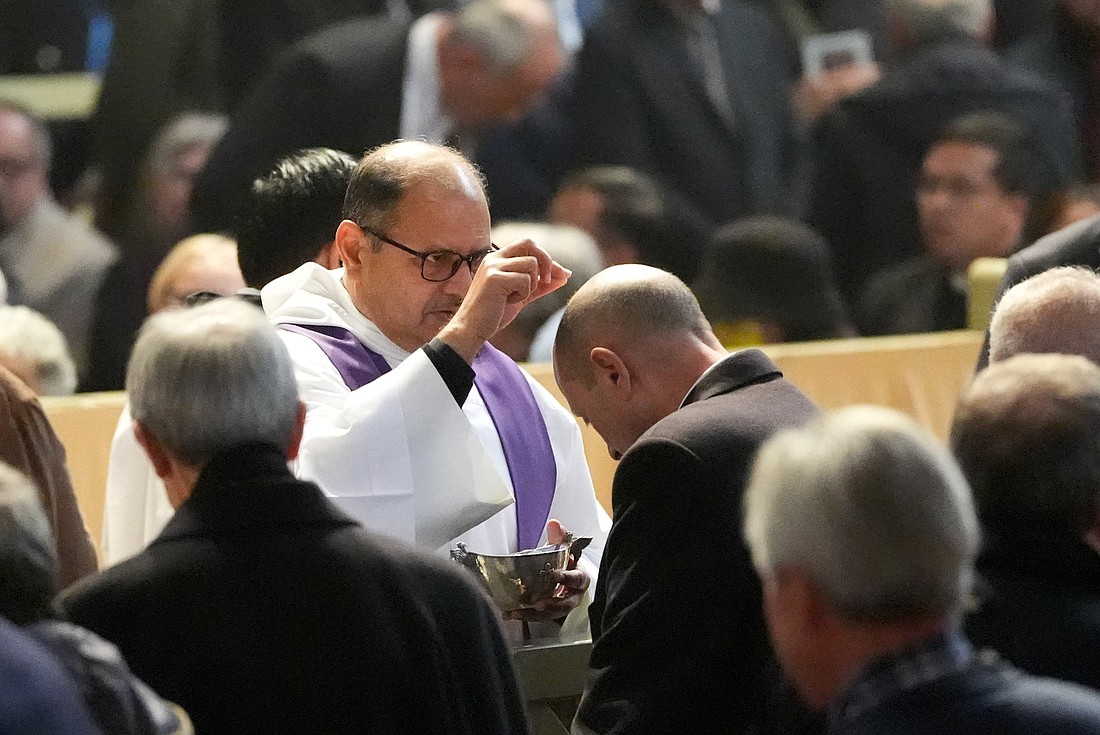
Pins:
x: 515, y: 581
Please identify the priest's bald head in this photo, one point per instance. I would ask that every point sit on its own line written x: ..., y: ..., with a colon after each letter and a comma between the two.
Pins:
x: 631, y: 344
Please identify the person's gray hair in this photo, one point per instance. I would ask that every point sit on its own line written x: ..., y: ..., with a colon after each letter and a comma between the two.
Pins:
x: 924, y: 20
x: 872, y: 507
x: 28, y: 553
x: 185, y: 131
x: 32, y: 347
x: 1027, y: 435
x: 503, y: 31
x: 570, y: 247
x: 205, y: 379
x: 40, y: 133
x: 1056, y: 311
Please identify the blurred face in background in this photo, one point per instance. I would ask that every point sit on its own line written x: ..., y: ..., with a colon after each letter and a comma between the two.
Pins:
x: 23, y: 170
x: 964, y: 211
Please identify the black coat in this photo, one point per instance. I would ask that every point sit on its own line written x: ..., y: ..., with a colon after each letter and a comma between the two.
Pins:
x: 678, y: 637
x: 640, y: 101
x: 1039, y: 606
x: 870, y: 147
x: 338, y: 88
x: 262, y: 608
x: 1078, y: 244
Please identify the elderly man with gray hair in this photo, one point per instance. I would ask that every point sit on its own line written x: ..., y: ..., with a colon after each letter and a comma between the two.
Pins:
x: 1057, y: 310
x: 261, y: 607
x: 864, y: 533
x: 1027, y: 435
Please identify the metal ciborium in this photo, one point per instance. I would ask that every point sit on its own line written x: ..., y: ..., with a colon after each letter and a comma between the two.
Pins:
x: 515, y: 581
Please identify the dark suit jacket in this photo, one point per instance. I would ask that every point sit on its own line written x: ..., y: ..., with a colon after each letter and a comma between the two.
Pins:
x: 1078, y: 244
x: 870, y: 147
x: 986, y: 698
x: 915, y: 296
x: 262, y: 608
x: 339, y: 88
x: 678, y: 637
x: 640, y: 101
x: 1039, y: 605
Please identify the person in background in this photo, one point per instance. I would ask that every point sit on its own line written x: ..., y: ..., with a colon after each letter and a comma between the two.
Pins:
x: 34, y: 349
x: 1052, y: 312
x: 767, y: 279
x: 979, y: 183
x: 156, y: 219
x: 863, y: 530
x: 631, y: 218
x: 28, y: 444
x: 870, y: 146
x: 53, y: 261
x: 197, y: 264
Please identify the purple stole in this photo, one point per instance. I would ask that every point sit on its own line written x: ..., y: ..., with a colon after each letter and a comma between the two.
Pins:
x: 511, y: 404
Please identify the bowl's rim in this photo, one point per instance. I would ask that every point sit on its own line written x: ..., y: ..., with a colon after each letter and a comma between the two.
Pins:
x: 519, y: 555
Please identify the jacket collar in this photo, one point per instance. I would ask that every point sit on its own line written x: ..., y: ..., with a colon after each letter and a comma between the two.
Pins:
x: 731, y: 373
x: 249, y: 487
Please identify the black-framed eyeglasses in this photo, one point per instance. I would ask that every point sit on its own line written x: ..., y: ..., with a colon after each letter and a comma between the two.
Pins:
x: 437, y: 265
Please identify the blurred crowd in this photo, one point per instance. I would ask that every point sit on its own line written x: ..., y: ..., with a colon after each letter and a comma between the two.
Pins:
x: 803, y: 195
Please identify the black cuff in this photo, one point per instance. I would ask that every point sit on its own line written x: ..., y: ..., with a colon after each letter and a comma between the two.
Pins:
x: 458, y: 376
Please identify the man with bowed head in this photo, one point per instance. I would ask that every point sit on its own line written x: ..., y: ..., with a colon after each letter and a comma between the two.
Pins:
x: 678, y: 639
x: 417, y: 427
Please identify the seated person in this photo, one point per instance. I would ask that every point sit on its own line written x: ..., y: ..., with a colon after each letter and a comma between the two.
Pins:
x: 262, y: 607
x: 766, y: 279
x: 1027, y: 435
x: 631, y: 218
x: 978, y: 182
x: 28, y: 443
x: 117, y: 701
x: 197, y: 264
x: 863, y: 530
x: 33, y: 348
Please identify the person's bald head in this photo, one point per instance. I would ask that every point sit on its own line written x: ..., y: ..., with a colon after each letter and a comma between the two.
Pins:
x: 631, y: 343
x: 1056, y: 311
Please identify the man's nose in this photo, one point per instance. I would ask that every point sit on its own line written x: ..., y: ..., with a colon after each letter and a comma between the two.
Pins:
x: 460, y: 282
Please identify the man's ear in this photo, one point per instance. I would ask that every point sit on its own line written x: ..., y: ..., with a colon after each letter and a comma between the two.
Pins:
x: 802, y: 596
x: 157, y: 456
x: 295, y: 443
x: 348, y: 244
x: 611, y: 371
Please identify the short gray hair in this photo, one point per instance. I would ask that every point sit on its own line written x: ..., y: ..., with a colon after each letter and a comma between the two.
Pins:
x: 185, y: 131
x: 503, y: 31
x: 203, y: 380
x: 28, y: 554
x: 872, y: 507
x: 1027, y: 434
x: 28, y: 337
x: 1055, y: 311
x: 930, y: 19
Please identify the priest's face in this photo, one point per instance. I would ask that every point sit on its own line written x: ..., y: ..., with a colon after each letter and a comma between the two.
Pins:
x: 386, y: 282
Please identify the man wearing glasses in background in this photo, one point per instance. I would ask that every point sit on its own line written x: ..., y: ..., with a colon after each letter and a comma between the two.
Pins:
x: 415, y: 425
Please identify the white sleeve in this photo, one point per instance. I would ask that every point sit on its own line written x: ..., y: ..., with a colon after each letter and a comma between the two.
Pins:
x: 136, y: 506
x: 398, y: 454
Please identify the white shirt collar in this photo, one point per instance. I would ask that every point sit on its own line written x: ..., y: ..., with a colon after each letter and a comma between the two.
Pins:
x: 422, y: 115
